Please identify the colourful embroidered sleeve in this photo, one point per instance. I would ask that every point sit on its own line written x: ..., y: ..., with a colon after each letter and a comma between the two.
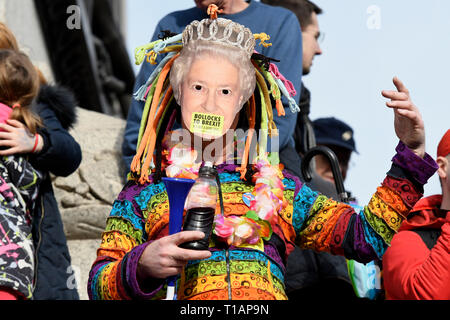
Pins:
x: 123, y: 242
x: 324, y: 224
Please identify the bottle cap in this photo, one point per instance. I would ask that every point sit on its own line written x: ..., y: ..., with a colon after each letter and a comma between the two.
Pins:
x: 208, y: 164
x: 207, y: 170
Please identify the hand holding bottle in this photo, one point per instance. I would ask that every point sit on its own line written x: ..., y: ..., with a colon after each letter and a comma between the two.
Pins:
x: 164, y: 258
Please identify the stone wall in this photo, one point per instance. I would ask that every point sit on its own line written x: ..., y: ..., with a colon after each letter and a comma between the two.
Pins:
x: 20, y: 16
x: 85, y: 197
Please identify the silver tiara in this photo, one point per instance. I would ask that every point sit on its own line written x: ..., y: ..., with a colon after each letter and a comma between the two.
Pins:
x: 220, y: 30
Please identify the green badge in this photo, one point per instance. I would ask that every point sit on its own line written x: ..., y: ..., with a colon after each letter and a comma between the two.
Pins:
x: 209, y: 124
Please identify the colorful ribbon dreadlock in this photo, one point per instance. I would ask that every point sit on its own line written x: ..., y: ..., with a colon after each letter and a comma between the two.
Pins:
x: 158, y: 94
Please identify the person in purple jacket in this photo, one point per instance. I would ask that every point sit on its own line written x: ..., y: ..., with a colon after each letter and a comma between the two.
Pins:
x: 251, y: 240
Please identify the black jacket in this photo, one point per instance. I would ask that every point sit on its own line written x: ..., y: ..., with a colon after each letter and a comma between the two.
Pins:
x: 60, y: 156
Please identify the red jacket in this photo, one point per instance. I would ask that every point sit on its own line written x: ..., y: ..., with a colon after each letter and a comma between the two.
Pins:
x: 410, y: 270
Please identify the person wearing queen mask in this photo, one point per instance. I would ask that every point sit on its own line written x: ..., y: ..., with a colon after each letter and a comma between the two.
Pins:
x: 262, y: 210
x: 212, y: 94
x: 280, y: 23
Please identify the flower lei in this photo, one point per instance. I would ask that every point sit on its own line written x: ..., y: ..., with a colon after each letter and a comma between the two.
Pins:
x: 257, y: 223
x: 266, y: 201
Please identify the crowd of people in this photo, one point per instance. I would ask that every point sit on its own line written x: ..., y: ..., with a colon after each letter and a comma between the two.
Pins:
x: 276, y: 235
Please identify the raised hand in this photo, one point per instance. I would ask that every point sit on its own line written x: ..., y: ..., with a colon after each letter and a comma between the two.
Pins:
x: 408, y: 122
x: 163, y: 257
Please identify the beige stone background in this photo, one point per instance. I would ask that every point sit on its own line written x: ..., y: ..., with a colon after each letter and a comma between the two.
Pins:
x: 85, y: 197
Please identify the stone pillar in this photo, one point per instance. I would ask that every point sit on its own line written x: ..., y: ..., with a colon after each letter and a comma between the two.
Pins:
x: 21, y: 17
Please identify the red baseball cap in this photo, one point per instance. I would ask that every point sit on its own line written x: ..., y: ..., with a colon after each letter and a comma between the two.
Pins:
x: 444, y: 146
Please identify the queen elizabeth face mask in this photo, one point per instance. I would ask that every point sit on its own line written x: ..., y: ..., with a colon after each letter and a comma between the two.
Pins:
x: 210, y: 97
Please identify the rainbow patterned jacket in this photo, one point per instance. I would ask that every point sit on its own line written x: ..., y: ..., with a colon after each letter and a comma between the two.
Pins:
x: 140, y: 215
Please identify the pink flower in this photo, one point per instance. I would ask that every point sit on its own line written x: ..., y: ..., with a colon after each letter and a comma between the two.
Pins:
x: 222, y: 229
x: 244, y: 230
x: 182, y: 156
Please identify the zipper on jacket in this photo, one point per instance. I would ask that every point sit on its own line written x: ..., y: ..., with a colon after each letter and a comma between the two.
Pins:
x: 227, y: 255
x: 39, y: 244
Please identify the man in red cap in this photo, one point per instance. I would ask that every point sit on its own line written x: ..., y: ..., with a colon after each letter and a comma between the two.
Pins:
x: 417, y: 265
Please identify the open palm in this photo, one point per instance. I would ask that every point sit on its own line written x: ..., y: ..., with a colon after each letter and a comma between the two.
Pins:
x: 408, y: 122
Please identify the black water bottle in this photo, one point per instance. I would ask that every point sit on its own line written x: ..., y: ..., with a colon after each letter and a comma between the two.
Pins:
x: 201, y: 206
